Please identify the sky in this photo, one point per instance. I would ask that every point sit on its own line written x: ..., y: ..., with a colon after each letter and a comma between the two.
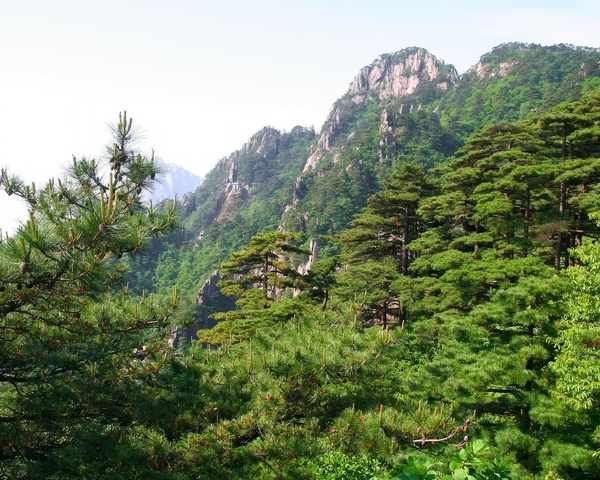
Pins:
x: 200, y: 77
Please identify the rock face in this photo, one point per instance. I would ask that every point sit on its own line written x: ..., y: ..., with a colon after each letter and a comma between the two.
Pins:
x: 183, y: 336
x: 399, y: 74
x: 259, y: 150
x: 486, y: 70
x: 208, y: 289
x: 391, y: 75
x: 325, y: 140
x: 232, y: 194
x: 264, y: 143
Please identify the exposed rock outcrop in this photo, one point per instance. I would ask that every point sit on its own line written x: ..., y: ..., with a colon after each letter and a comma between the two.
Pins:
x: 387, y: 140
x: 208, y: 289
x: 233, y: 193
x: 314, y: 249
x: 399, y: 74
x: 259, y: 150
x: 486, y: 70
x: 206, y: 293
x: 325, y: 141
x: 391, y: 75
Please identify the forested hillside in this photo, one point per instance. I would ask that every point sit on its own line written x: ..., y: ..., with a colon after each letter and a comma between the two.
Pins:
x: 410, y: 294
x: 405, y: 107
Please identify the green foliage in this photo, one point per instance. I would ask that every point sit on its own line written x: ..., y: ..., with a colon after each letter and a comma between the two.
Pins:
x: 416, y: 469
x: 364, y: 141
x: 517, y: 81
x: 271, y: 406
x: 464, y: 262
x: 258, y: 276
x: 261, y: 265
x: 215, y: 224
x: 577, y: 364
x: 472, y: 462
x: 336, y: 465
x: 369, y: 285
x: 574, y: 369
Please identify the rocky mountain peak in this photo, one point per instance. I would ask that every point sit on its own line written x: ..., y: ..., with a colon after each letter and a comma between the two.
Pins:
x: 399, y: 74
x: 263, y: 143
x: 391, y: 75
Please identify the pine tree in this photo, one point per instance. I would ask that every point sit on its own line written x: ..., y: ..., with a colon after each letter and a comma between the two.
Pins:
x: 571, y: 132
x: 377, y: 243
x: 368, y: 286
x: 485, y: 289
x: 390, y: 221
x: 260, y: 276
x: 73, y: 346
x: 258, y: 273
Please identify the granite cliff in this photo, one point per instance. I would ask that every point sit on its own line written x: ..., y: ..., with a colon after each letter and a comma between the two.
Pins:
x: 390, y: 76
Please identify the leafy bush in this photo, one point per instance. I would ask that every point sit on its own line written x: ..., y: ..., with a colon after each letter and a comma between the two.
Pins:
x: 337, y: 465
x: 472, y: 462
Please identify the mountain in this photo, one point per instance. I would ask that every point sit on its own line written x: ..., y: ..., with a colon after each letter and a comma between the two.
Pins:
x: 174, y: 181
x: 407, y: 106
x: 515, y: 81
x: 411, y: 106
x: 255, y: 174
x: 476, y: 255
x: 242, y: 195
x: 367, y: 130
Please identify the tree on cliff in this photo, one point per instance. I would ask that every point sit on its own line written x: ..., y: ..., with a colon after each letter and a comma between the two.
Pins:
x: 255, y: 274
x: 258, y: 276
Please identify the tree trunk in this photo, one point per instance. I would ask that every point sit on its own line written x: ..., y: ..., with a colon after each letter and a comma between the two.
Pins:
x: 325, y: 300
x: 557, y: 253
x: 266, y: 277
x: 563, y: 190
x: 527, y: 214
x: 405, y: 240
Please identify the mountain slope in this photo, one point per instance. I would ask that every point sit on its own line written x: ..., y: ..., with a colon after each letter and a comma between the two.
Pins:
x: 377, y: 124
x: 515, y: 81
x: 408, y: 106
x: 242, y: 195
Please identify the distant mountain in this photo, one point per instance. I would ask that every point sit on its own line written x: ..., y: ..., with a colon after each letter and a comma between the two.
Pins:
x: 174, y: 181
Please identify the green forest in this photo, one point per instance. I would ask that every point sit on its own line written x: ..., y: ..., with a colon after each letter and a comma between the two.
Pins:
x: 448, y: 329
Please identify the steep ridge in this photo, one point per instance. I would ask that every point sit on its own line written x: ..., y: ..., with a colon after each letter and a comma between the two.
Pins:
x: 245, y: 193
x: 515, y: 81
x: 399, y: 74
x: 386, y: 104
x: 411, y: 106
x: 264, y: 164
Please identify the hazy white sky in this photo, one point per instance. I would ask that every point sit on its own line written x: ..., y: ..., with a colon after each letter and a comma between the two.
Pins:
x: 200, y: 77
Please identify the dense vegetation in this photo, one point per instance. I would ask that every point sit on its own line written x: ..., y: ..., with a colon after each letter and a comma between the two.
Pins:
x: 449, y: 330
